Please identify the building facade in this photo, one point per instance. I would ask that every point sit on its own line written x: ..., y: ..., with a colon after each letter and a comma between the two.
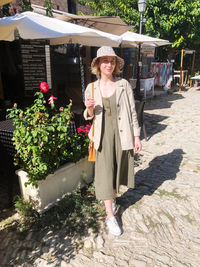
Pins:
x: 70, y: 6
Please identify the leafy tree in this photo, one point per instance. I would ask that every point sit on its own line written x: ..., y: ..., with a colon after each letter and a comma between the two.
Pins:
x: 125, y: 9
x: 26, y: 5
x: 49, y: 8
x: 175, y: 20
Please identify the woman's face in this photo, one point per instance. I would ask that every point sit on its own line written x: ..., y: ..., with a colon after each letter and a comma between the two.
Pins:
x: 107, y: 65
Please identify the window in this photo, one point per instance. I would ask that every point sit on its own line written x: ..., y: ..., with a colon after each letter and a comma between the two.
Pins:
x: 71, y: 6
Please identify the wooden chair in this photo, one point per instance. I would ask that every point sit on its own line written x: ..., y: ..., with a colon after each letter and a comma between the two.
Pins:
x: 139, y: 106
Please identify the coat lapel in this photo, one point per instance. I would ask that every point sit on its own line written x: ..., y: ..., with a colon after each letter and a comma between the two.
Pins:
x: 97, y: 93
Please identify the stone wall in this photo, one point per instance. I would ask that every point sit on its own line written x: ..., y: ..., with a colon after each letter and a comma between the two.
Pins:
x: 63, y: 6
x: 84, y: 9
x: 56, y: 4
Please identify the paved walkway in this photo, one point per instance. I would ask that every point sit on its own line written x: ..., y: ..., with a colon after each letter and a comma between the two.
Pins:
x: 160, y: 217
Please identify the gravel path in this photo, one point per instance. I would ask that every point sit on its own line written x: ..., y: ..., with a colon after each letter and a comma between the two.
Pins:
x: 160, y: 217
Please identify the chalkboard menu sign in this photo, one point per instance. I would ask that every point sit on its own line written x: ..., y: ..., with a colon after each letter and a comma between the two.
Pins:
x: 34, y: 64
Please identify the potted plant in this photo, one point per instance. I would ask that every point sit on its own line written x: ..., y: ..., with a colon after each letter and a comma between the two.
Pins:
x: 51, y: 155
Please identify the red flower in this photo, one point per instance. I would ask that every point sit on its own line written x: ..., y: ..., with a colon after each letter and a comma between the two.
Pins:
x: 44, y: 87
x: 51, y: 99
x: 87, y: 128
x: 84, y: 130
x: 80, y: 129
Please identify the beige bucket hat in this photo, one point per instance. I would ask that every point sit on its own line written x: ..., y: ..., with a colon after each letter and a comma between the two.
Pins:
x: 107, y: 51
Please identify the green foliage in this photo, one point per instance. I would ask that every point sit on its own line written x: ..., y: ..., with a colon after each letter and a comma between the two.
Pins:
x: 125, y: 9
x: 15, y: 7
x: 43, y: 138
x: 49, y: 8
x: 77, y: 212
x: 26, y: 208
x: 5, y: 10
x: 26, y: 5
x: 175, y: 20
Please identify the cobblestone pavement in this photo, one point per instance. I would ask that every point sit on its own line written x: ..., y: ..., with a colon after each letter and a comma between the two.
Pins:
x: 160, y: 217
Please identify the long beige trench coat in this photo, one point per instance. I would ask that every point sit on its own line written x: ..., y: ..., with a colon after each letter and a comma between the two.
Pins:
x: 127, y: 117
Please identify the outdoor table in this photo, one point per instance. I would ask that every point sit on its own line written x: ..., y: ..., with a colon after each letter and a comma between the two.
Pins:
x: 196, y: 79
x: 145, y: 84
x: 6, y: 134
x: 133, y: 83
x: 7, y: 152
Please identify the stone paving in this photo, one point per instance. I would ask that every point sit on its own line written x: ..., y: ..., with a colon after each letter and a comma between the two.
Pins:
x: 160, y: 217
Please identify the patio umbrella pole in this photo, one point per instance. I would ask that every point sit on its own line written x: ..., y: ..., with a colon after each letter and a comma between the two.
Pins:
x: 137, y: 89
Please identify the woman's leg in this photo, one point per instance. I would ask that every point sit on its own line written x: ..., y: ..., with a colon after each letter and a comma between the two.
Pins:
x: 115, y: 193
x: 108, y: 207
x: 111, y: 221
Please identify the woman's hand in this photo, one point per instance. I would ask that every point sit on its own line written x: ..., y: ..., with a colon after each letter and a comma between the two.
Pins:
x: 89, y: 103
x: 137, y: 144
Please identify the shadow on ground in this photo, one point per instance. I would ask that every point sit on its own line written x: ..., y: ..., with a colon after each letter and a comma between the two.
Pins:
x: 53, y: 236
x: 153, y: 124
x: 162, y: 101
x: 52, y: 248
x: 147, y: 181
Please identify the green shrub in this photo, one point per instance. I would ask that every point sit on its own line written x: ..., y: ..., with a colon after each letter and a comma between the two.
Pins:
x: 26, y: 208
x: 43, y: 138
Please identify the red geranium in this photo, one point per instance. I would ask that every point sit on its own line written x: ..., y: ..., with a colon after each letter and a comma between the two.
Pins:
x: 87, y: 128
x: 84, y: 129
x: 44, y: 87
x: 51, y: 99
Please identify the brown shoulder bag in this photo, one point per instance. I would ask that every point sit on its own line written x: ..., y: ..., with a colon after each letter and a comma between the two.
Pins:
x: 91, y: 149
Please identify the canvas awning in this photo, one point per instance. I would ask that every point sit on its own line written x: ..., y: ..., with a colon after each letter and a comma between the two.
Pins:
x: 196, y: 77
x: 35, y: 26
x: 4, y: 2
x: 132, y: 38
x: 113, y: 25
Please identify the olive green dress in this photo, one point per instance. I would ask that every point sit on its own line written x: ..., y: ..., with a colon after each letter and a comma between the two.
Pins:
x: 113, y: 166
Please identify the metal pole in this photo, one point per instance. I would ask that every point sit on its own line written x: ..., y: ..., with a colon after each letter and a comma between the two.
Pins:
x: 137, y: 90
x: 141, y: 20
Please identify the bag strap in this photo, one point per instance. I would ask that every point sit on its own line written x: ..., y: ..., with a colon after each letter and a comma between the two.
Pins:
x: 92, y: 90
x: 94, y: 117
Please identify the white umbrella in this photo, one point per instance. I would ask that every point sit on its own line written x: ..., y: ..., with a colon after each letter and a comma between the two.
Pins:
x: 35, y: 26
x: 196, y: 77
x: 132, y: 38
x: 113, y: 25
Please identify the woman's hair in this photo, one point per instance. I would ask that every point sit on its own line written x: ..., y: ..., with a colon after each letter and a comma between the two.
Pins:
x: 96, y: 71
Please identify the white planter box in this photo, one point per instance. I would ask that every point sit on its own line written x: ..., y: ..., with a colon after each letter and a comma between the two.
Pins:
x: 63, y: 180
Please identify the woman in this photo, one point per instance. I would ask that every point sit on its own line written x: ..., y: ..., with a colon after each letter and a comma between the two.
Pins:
x: 116, y: 130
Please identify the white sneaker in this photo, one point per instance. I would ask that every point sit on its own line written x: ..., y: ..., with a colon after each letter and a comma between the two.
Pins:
x: 114, y: 206
x: 113, y: 226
